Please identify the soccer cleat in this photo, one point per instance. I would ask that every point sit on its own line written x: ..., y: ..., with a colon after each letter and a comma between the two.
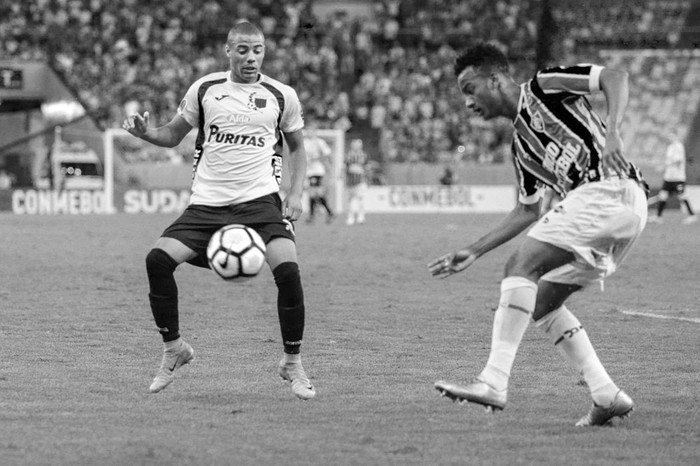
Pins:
x: 477, y: 391
x: 689, y: 219
x: 655, y: 219
x: 622, y: 406
x: 301, y: 386
x: 172, y: 360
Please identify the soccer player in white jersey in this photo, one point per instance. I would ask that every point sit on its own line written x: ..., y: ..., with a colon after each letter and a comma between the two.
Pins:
x: 674, y: 181
x: 318, y: 154
x: 241, y: 116
x: 561, y: 143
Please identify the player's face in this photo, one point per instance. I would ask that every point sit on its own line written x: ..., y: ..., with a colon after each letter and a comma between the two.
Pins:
x: 479, y: 91
x: 246, y: 54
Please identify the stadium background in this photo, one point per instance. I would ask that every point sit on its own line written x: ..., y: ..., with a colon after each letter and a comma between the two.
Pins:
x: 380, y: 71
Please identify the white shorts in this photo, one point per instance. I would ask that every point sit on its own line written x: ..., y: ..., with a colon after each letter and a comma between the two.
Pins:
x: 357, y: 190
x: 598, y: 222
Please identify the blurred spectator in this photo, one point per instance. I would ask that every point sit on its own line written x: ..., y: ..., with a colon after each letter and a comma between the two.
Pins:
x: 390, y: 71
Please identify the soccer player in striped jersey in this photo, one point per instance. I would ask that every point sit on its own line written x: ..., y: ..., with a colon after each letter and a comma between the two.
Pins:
x: 356, y: 182
x: 241, y: 116
x: 559, y: 142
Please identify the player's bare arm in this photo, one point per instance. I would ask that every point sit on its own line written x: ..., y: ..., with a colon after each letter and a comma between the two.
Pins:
x: 615, y: 87
x: 292, y: 206
x: 169, y: 135
x: 521, y: 217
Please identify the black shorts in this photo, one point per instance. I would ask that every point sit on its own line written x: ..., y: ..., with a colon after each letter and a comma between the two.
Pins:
x: 677, y: 187
x: 198, y: 223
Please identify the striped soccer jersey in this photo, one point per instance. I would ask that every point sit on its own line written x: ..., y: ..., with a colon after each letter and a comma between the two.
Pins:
x: 238, y: 128
x: 558, y: 139
x: 355, y: 161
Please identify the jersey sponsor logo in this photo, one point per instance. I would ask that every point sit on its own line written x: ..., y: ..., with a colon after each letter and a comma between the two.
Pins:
x: 238, y: 118
x: 256, y: 102
x: 537, y: 122
x: 230, y: 138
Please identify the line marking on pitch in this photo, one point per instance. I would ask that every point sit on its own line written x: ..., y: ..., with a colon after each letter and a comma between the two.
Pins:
x: 653, y: 315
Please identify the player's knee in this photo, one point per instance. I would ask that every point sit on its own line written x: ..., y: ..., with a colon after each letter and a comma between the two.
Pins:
x: 159, y: 262
x: 286, y: 272
x: 663, y: 195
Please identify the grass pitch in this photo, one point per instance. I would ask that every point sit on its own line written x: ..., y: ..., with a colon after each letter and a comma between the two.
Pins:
x: 79, y: 350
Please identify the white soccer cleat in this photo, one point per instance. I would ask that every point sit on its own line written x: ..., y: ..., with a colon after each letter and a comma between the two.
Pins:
x: 622, y: 406
x: 477, y: 391
x: 301, y: 385
x: 690, y: 219
x: 655, y: 219
x: 172, y: 360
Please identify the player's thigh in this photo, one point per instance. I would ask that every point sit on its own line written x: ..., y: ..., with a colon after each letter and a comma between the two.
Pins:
x: 551, y: 296
x: 535, y: 258
x: 280, y: 250
x: 175, y: 249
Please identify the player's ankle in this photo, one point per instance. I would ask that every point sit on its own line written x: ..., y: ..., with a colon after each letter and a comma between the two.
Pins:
x: 291, y: 358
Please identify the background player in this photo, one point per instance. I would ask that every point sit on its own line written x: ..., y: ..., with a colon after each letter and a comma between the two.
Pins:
x: 318, y: 154
x: 356, y: 181
x: 674, y: 180
x: 238, y: 114
x: 560, y: 142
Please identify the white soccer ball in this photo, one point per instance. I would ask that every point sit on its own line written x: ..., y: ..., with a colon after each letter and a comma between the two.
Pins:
x: 236, y: 252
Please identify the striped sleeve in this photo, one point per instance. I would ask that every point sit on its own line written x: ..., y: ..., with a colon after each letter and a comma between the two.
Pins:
x: 578, y: 79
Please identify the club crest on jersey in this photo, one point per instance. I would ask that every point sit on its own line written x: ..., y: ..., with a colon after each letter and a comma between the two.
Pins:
x: 255, y: 102
x: 537, y: 122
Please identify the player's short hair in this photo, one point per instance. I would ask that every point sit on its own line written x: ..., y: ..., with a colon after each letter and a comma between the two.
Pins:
x: 482, y: 55
x: 244, y: 28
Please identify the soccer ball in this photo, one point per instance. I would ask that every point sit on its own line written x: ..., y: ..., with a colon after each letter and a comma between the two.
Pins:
x: 235, y: 252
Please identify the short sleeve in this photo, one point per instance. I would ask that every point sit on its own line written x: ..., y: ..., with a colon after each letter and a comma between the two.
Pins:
x: 189, y: 106
x: 292, y: 116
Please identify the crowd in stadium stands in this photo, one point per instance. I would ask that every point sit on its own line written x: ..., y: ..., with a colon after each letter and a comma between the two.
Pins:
x: 390, y: 71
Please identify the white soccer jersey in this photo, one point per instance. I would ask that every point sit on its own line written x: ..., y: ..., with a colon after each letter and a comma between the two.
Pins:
x: 675, y: 162
x: 317, y: 152
x: 239, y: 127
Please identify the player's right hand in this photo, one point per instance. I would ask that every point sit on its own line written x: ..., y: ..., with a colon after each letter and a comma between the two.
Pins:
x: 136, y: 124
x: 451, y: 263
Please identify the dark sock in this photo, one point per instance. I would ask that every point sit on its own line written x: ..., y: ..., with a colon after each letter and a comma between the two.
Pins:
x: 322, y: 201
x: 660, y: 208
x: 290, y: 305
x: 163, y: 296
x: 687, y: 206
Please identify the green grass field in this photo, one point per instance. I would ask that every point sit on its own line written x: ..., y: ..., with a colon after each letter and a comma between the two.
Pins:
x: 79, y: 349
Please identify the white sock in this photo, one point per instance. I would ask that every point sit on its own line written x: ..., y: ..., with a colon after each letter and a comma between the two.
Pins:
x: 292, y: 358
x: 172, y: 345
x: 512, y: 317
x: 571, y: 339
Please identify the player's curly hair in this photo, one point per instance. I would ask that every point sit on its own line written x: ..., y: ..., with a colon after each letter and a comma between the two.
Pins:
x: 482, y: 55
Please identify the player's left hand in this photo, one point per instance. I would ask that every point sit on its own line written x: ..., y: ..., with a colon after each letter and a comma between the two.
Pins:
x: 452, y: 263
x: 292, y: 207
x: 614, y: 161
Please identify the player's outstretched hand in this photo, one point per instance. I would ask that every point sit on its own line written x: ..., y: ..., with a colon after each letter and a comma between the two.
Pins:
x: 451, y: 263
x: 136, y: 124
